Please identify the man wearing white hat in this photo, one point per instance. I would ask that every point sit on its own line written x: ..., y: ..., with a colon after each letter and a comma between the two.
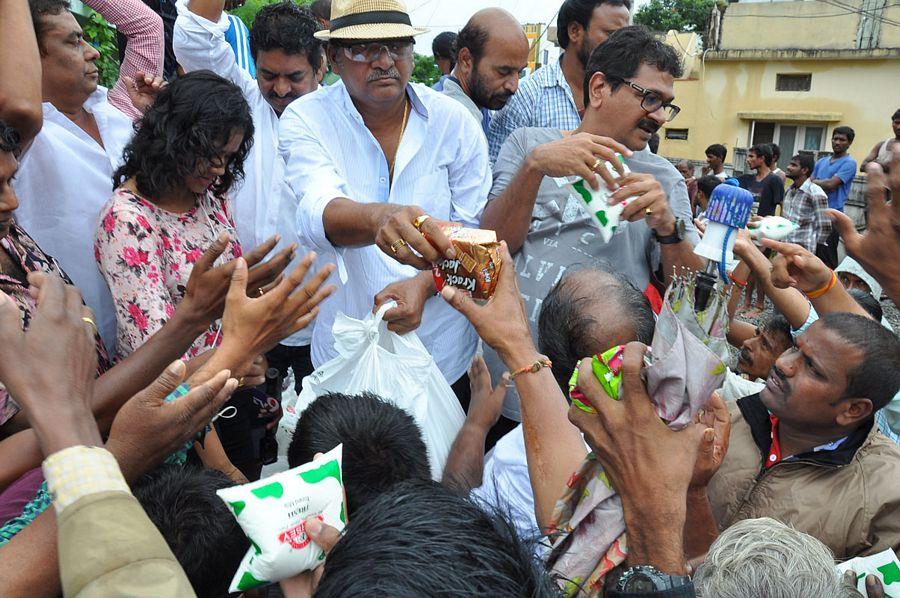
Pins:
x: 371, y: 159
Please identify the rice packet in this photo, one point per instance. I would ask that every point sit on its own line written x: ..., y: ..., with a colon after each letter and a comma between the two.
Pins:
x: 273, y: 512
x: 596, y: 203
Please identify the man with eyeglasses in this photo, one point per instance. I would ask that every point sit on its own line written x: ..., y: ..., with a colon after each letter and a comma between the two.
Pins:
x: 628, y: 94
x: 375, y: 162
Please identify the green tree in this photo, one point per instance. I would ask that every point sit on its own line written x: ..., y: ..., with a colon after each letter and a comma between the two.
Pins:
x: 247, y: 12
x: 102, y: 36
x: 680, y: 15
x: 425, y: 70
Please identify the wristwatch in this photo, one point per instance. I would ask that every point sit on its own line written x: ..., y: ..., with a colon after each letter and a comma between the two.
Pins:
x: 676, y: 237
x: 646, y: 578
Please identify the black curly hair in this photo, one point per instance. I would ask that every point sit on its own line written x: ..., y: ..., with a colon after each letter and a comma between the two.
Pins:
x: 287, y: 27
x: 187, y: 125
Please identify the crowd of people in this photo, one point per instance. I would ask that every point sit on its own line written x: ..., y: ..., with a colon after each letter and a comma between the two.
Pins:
x: 184, y: 245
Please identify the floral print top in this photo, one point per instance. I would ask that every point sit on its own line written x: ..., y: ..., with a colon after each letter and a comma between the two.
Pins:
x: 23, y: 251
x: 146, y: 255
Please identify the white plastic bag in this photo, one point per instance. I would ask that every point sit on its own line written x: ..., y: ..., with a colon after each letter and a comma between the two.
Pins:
x: 398, y: 369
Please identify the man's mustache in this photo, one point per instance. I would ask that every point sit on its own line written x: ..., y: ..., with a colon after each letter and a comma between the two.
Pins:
x: 648, y: 124
x: 379, y: 74
x: 274, y: 96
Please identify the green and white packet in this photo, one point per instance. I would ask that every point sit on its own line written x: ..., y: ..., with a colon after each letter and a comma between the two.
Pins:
x: 883, y: 565
x: 273, y: 512
x: 776, y: 228
x: 596, y: 203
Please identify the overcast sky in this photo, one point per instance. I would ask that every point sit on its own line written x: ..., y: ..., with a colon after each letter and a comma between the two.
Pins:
x: 451, y: 15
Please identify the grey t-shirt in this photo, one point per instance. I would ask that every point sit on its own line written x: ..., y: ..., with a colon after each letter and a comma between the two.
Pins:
x: 563, y: 234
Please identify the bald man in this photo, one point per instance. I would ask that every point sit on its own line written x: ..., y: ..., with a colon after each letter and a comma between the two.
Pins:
x: 491, y: 52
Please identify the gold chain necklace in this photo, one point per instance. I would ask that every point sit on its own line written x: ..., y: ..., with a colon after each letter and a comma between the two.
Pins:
x: 402, y: 130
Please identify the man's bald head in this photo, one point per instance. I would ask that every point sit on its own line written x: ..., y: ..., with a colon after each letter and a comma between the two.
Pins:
x: 589, y: 311
x: 491, y: 52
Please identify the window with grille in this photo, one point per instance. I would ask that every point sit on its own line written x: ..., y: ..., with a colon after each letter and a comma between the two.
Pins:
x: 679, y: 134
x: 785, y: 82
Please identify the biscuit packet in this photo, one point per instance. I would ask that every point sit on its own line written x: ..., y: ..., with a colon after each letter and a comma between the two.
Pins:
x: 273, y: 512
x: 476, y: 268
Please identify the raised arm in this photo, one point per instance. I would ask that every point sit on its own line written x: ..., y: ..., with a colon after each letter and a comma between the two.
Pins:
x: 199, y: 43
x: 791, y: 303
x: 144, y: 53
x: 465, y: 463
x: 796, y: 267
x: 553, y: 446
x: 20, y: 72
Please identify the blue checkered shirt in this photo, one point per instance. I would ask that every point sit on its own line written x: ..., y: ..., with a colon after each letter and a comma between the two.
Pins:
x: 544, y: 99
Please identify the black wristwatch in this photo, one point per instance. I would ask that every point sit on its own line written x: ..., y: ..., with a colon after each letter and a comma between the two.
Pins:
x: 676, y: 237
x: 646, y: 578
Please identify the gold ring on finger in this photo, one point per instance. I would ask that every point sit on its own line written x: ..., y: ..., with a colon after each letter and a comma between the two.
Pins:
x: 596, y: 164
x: 397, y: 245
x: 420, y: 220
x: 91, y: 322
x: 648, y: 211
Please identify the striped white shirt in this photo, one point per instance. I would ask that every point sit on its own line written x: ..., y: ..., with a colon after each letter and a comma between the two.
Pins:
x: 143, y: 29
x: 441, y: 166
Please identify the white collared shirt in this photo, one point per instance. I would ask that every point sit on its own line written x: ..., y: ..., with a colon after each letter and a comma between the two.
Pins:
x: 262, y: 203
x: 64, y: 180
x: 441, y: 166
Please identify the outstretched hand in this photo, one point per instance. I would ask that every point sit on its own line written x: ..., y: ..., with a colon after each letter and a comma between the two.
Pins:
x: 797, y: 267
x: 713, y: 447
x: 204, y: 297
x: 877, y: 248
x: 251, y: 326
x: 501, y: 322
x: 50, y: 368
x: 147, y: 429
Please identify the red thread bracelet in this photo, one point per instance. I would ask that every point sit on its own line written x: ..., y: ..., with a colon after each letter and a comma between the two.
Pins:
x: 535, y: 367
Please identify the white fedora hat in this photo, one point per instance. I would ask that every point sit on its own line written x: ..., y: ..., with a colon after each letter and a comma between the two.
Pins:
x: 369, y: 19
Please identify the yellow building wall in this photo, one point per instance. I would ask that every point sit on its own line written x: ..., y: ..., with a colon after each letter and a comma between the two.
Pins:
x: 805, y: 24
x: 533, y: 34
x: 890, y: 34
x: 864, y: 92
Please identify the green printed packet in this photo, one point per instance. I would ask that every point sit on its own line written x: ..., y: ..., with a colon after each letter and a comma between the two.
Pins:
x: 607, y: 368
x: 273, y: 512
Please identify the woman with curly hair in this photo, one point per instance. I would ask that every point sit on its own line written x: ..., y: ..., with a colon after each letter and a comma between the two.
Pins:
x: 171, y: 203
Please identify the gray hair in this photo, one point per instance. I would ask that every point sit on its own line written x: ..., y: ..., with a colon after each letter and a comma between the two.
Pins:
x: 764, y: 558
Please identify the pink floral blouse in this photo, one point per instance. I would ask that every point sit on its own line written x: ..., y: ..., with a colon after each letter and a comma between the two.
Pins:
x: 146, y: 255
